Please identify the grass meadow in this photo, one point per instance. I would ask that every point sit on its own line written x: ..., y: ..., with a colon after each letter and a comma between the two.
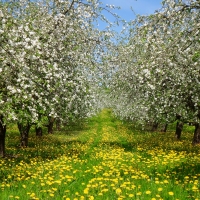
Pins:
x: 104, y: 159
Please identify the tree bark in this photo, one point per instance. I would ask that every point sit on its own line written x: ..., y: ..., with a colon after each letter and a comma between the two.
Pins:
x: 38, y: 131
x: 24, y: 132
x: 179, y: 128
x: 2, y: 137
x: 196, y: 137
x: 58, y: 124
x: 164, y: 128
x: 154, y: 126
x: 50, y: 125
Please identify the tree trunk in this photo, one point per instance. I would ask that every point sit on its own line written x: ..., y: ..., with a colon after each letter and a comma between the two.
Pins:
x: 38, y: 131
x: 196, y: 137
x: 50, y: 125
x: 58, y: 124
x: 164, y: 128
x: 24, y: 132
x: 179, y: 128
x: 2, y: 137
x: 154, y: 126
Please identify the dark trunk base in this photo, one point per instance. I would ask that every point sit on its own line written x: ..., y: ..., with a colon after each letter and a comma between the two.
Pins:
x: 58, y: 125
x: 38, y: 131
x: 196, y: 137
x: 179, y: 128
x: 24, y: 132
x: 154, y: 126
x: 2, y: 137
x: 50, y: 125
x: 164, y: 129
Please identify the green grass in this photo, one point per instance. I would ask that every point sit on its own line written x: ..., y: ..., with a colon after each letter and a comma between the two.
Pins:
x: 104, y: 158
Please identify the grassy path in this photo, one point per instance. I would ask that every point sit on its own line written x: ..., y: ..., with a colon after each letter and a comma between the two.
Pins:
x: 104, y: 160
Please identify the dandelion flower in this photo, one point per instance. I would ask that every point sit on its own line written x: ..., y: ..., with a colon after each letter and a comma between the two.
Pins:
x: 166, y: 181
x: 85, y: 191
x: 139, y: 193
x: 118, y: 191
x: 171, y: 193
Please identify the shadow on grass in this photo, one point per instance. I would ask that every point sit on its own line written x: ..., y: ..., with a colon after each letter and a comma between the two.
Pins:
x: 60, y: 143
x: 186, y: 169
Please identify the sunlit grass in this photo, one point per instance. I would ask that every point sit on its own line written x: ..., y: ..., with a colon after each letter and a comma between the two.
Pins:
x: 105, y: 159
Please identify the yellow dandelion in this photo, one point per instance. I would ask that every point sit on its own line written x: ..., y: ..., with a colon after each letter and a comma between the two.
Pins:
x: 194, y: 188
x: 166, y: 181
x: 171, y: 193
x: 118, y: 191
x: 105, y: 190
x: 58, y: 181
x: 148, y: 192
x: 139, y: 193
x: 32, y: 194
x: 133, y: 186
x: 160, y: 189
x: 76, y: 193
x: 85, y: 191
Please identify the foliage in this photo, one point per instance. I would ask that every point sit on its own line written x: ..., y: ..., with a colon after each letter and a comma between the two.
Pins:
x: 49, y: 52
x: 157, y: 73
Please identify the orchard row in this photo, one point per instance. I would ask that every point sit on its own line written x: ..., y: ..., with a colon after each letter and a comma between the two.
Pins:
x: 158, y: 76
x: 49, y: 51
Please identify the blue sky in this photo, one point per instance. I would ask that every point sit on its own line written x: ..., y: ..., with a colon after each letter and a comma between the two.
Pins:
x: 142, y: 7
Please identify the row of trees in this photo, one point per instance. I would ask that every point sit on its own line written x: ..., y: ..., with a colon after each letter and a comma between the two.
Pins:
x: 157, y: 79
x: 49, y: 51
x: 52, y: 61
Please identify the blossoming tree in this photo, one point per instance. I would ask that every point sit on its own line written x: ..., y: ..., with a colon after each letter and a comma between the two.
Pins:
x: 48, y: 51
x: 159, y: 75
